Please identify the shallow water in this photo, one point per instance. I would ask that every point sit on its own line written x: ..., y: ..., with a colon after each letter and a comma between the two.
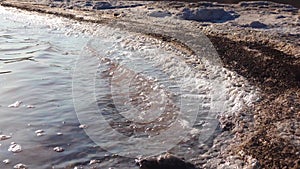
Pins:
x: 133, y: 95
x: 38, y: 60
x: 36, y: 65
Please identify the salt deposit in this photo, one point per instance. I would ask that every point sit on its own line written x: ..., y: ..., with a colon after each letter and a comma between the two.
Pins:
x: 58, y: 149
x: 15, y: 105
x: 15, y: 148
x: 83, y: 126
x: 6, y: 161
x: 20, y: 166
x: 4, y: 137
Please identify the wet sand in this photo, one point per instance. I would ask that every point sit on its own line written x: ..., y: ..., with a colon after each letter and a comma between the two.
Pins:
x: 264, y: 135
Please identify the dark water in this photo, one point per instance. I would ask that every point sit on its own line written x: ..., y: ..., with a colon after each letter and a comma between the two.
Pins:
x: 37, y: 58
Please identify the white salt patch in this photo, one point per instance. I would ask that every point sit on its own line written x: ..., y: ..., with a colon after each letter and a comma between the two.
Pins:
x: 4, y: 137
x: 59, y: 134
x: 83, y: 126
x: 30, y: 106
x: 15, y: 105
x: 40, y: 134
x: 15, y: 148
x: 78, y: 167
x: 94, y: 162
x: 39, y: 131
x: 6, y: 161
x: 58, y: 149
x: 20, y: 166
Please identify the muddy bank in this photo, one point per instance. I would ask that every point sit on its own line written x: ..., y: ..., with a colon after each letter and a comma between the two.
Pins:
x: 274, y: 138
x: 264, y: 135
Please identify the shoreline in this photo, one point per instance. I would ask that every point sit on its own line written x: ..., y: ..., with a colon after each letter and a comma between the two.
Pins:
x: 268, y: 62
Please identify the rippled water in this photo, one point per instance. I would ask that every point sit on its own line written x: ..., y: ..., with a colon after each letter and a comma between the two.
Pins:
x: 66, y: 74
x: 37, y: 56
x: 37, y: 64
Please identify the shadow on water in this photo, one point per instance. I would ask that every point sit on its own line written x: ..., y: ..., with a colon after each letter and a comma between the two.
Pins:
x: 4, y: 72
x: 11, y: 60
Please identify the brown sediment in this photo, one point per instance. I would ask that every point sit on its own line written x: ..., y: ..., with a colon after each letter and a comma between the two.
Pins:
x: 175, y: 42
x: 277, y: 74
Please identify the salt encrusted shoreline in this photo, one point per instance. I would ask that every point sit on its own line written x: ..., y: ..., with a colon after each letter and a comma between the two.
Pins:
x: 257, y: 40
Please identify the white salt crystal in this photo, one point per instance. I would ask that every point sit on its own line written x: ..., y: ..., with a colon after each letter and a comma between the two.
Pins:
x: 15, y: 148
x: 6, y: 161
x: 4, y: 137
x: 15, y: 105
x: 83, y: 126
x: 58, y: 149
x: 39, y: 131
x: 20, y: 166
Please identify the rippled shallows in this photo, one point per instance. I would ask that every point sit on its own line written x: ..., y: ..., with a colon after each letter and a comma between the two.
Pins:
x: 37, y: 57
x: 38, y: 123
x: 50, y: 66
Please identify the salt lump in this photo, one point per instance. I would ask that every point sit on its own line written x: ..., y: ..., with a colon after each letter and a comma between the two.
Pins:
x: 30, y: 106
x: 20, y: 166
x: 94, y: 162
x: 39, y: 133
x: 4, y: 137
x: 83, y: 126
x: 59, y: 134
x: 15, y: 105
x: 207, y: 15
x: 58, y: 149
x: 6, y: 161
x: 15, y: 148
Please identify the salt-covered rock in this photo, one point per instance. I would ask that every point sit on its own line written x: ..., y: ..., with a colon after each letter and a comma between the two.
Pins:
x: 59, y: 134
x: 39, y: 131
x: 58, y: 149
x: 88, y: 3
x: 40, y: 134
x: 15, y: 105
x: 83, y: 126
x: 164, y: 161
x: 254, y: 4
x: 94, y: 162
x: 30, y: 106
x: 160, y: 14
x: 207, y: 15
x: 15, y: 148
x: 4, y: 137
x: 102, y: 5
x: 20, y: 166
x: 6, y: 161
x: 257, y: 24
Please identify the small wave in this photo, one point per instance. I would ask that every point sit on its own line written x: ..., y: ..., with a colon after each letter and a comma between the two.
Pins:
x: 5, y: 72
x: 11, y: 60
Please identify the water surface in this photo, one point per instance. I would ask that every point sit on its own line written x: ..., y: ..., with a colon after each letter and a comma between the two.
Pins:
x: 38, y: 56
